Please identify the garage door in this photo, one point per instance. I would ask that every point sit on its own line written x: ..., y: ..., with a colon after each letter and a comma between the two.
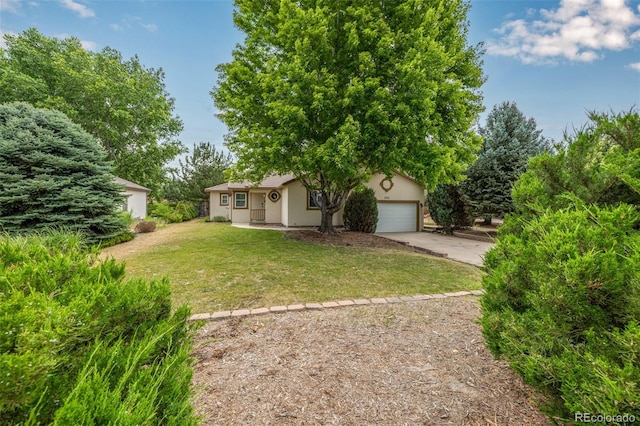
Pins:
x: 397, y: 217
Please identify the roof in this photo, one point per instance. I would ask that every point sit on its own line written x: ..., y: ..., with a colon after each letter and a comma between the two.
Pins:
x: 130, y: 185
x: 273, y: 181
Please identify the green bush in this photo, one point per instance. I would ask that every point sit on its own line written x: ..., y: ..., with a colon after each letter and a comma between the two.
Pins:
x: 220, y: 219
x: 119, y: 239
x: 80, y: 345
x: 187, y: 211
x: 562, y: 305
x: 173, y: 213
x: 447, y: 209
x: 361, y: 211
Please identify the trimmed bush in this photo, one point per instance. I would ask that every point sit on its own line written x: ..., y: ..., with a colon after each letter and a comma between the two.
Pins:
x: 562, y: 305
x: 220, y: 219
x: 145, y: 226
x: 361, y: 211
x: 80, y: 345
x: 447, y: 209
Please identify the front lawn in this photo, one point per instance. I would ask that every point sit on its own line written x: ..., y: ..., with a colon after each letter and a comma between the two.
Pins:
x: 213, y: 266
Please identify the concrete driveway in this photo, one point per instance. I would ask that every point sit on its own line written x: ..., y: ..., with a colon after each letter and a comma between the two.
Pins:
x: 454, y: 248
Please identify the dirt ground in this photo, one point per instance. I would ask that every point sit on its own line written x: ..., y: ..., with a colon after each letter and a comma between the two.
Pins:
x: 414, y: 363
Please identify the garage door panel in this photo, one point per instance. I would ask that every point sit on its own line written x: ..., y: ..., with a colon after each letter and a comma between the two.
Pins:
x: 397, y: 217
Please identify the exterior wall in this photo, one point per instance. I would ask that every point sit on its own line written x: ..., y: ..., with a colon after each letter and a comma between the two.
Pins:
x: 273, y: 210
x: 298, y: 214
x: 284, y: 206
x: 240, y: 215
x: 215, y: 209
x: 403, y: 189
x: 136, y: 203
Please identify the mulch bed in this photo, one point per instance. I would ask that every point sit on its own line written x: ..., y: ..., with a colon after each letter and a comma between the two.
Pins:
x: 398, y: 364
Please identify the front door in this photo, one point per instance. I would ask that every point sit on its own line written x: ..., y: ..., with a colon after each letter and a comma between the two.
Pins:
x: 258, y: 206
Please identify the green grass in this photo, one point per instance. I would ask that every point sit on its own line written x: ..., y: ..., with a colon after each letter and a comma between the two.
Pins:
x: 214, y: 266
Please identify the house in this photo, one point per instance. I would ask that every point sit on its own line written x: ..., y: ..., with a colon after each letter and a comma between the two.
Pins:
x: 136, y: 201
x: 283, y: 200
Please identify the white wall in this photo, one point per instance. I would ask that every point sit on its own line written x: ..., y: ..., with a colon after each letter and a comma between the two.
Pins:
x: 136, y: 203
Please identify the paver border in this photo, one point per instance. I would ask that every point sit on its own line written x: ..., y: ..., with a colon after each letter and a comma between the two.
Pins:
x: 220, y: 315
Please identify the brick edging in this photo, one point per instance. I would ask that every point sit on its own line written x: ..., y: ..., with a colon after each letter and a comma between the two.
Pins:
x: 326, y: 305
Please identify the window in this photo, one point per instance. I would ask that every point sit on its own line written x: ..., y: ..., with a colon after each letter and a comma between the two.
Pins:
x: 224, y: 199
x: 240, y: 200
x: 314, y: 200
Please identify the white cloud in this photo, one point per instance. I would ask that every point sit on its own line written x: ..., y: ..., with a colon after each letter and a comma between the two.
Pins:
x: 116, y: 27
x: 578, y: 30
x: 10, y: 6
x: 82, y: 10
x: 635, y: 66
x: 152, y: 28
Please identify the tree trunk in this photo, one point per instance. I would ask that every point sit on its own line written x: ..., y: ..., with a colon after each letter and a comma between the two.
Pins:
x: 326, y: 223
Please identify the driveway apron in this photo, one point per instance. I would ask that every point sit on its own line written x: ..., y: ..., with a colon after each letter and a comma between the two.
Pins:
x: 455, y: 248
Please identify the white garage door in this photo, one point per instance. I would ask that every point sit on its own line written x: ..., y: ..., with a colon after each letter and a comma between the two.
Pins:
x: 397, y: 217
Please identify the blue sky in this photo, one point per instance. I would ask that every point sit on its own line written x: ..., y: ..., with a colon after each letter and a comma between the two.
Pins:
x: 556, y: 59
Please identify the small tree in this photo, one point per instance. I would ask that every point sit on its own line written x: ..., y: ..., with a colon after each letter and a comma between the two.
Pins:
x: 361, y: 211
x: 54, y: 174
x: 510, y: 139
x: 447, y: 209
x: 203, y: 168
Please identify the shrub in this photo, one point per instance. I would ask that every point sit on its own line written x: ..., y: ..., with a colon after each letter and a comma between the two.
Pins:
x: 447, y: 209
x: 79, y: 345
x: 54, y: 174
x: 562, y: 305
x: 173, y: 213
x: 220, y: 219
x: 145, y: 226
x: 186, y: 211
x: 361, y: 211
x: 122, y: 238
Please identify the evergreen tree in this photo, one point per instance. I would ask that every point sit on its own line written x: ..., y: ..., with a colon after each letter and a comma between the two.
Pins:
x: 599, y: 164
x: 54, y: 174
x: 203, y: 168
x: 447, y: 209
x: 361, y: 211
x: 510, y: 140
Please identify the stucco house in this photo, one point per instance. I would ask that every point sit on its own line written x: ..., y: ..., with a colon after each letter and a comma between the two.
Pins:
x: 136, y: 201
x: 283, y: 200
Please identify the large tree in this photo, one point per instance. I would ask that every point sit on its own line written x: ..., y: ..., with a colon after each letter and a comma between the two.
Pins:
x: 510, y: 140
x: 54, y: 174
x: 334, y: 90
x: 122, y: 103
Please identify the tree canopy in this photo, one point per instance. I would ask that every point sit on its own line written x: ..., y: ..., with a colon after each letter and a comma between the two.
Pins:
x: 121, y: 103
x: 54, y: 174
x: 510, y: 140
x: 333, y: 91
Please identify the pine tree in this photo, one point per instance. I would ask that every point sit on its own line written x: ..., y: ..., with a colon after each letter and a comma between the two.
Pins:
x: 510, y: 140
x: 53, y: 174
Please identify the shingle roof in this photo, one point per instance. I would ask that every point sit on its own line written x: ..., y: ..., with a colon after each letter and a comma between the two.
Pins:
x: 273, y: 181
x: 130, y: 185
